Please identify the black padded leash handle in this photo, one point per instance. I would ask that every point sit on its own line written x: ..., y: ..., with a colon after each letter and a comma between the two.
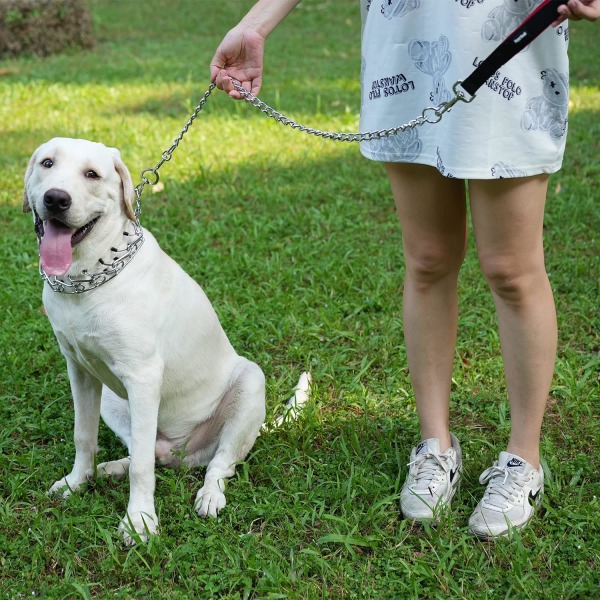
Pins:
x: 539, y: 20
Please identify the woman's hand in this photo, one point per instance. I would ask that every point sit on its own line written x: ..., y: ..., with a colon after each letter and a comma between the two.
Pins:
x: 576, y: 10
x: 239, y: 56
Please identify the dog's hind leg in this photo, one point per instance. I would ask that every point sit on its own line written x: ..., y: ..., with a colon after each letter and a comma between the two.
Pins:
x: 114, y: 411
x: 115, y: 468
x: 245, y: 414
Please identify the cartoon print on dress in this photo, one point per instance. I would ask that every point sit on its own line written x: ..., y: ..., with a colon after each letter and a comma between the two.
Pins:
x: 398, y: 8
x: 401, y: 147
x: 502, y: 170
x: 549, y: 112
x: 433, y: 58
x: 504, y: 19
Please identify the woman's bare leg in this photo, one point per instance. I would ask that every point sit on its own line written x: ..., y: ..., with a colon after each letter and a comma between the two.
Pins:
x: 432, y: 212
x: 508, y: 219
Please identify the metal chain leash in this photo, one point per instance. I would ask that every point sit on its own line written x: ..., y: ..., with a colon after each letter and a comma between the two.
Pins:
x: 431, y: 114
x: 535, y: 23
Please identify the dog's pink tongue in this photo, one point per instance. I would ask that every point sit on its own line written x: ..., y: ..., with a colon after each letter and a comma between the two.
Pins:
x: 56, y: 253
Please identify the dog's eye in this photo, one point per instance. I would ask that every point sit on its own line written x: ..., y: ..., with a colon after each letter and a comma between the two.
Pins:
x: 92, y: 174
x: 47, y: 163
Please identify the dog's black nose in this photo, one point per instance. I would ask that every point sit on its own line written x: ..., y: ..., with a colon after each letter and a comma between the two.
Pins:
x: 57, y: 201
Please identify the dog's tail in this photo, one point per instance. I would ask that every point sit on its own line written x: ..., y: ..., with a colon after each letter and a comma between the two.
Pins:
x: 294, y: 406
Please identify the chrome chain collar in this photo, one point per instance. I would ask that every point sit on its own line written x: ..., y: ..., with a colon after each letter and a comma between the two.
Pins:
x: 91, y: 281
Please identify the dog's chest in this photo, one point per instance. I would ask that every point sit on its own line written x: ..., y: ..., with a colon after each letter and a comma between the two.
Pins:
x: 87, y: 342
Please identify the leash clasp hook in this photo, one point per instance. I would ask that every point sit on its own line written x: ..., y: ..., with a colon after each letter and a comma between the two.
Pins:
x: 460, y: 95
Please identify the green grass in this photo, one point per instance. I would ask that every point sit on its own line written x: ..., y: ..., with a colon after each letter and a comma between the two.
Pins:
x: 295, y: 240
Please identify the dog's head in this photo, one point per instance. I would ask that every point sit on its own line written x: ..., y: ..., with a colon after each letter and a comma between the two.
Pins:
x: 74, y: 188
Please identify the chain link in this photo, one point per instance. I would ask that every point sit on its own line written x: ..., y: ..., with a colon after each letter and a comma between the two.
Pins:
x: 431, y: 114
x: 168, y: 154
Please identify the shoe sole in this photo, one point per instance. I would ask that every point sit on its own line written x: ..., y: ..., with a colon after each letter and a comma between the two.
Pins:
x: 488, y: 536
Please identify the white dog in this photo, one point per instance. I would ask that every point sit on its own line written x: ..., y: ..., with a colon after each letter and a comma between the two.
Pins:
x: 144, y: 349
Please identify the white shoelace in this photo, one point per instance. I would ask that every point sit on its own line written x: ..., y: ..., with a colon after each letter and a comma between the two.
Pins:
x: 427, y: 469
x: 504, y: 486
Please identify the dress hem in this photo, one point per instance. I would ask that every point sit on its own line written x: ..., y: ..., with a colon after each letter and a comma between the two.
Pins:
x: 462, y: 173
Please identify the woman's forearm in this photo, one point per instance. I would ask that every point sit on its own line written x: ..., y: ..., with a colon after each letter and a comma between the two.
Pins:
x: 265, y: 15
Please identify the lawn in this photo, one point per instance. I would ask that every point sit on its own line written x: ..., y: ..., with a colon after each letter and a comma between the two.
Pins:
x: 295, y: 241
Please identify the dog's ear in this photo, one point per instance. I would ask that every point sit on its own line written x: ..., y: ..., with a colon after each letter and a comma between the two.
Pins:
x: 127, y: 191
x: 28, y: 172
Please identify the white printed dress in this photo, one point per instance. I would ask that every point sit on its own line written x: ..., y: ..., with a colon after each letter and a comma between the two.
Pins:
x: 413, y: 51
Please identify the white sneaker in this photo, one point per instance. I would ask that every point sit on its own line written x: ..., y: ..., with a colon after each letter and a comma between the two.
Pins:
x: 432, y: 480
x: 513, y: 492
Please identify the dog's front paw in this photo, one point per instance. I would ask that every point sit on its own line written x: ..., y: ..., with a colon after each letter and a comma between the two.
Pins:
x: 209, y: 501
x: 65, y: 486
x: 138, y: 527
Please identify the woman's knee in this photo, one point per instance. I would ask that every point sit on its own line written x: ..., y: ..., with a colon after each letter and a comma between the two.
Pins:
x: 429, y: 265
x: 513, y: 281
